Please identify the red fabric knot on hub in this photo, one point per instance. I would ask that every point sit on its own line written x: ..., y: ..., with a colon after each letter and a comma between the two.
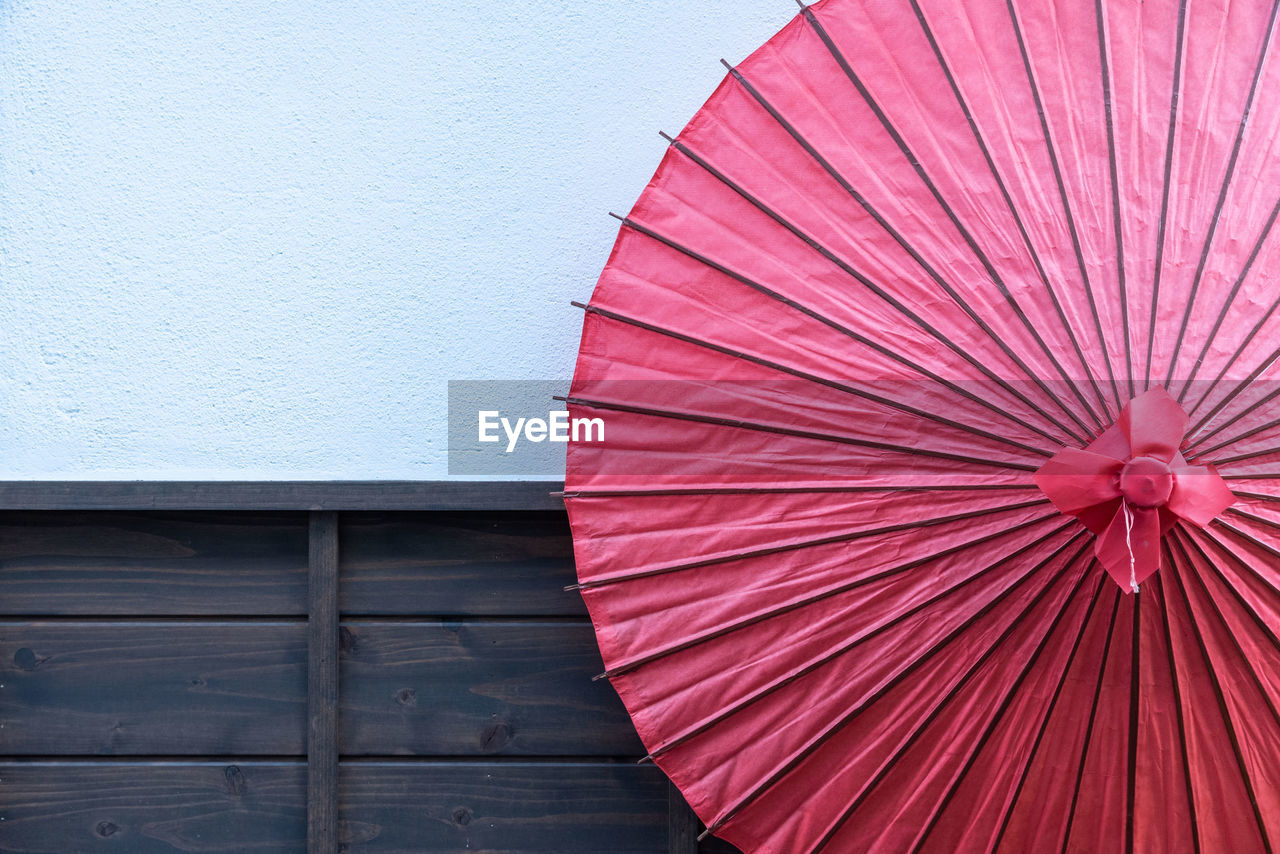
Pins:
x: 1146, y: 481
x: 1131, y: 484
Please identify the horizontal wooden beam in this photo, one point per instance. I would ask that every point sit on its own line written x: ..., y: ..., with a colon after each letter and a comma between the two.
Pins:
x: 280, y: 495
x: 223, y: 688
x: 190, y: 563
x: 495, y: 563
x: 155, y: 688
x: 478, y: 688
x: 556, y: 808
x: 104, y: 563
x: 230, y: 807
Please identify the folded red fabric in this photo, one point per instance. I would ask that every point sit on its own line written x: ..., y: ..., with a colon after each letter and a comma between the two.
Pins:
x: 1132, y: 484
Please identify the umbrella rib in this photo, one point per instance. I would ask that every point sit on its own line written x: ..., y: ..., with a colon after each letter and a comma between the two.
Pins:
x: 1235, y: 511
x: 824, y: 541
x: 1051, y: 149
x: 1222, y: 192
x: 1044, y: 727
x: 805, y: 375
x: 915, y: 255
x: 919, y: 729
x: 901, y: 143
x: 847, y: 268
x: 1248, y: 339
x: 1177, y: 707
x: 1170, y: 140
x: 1244, y: 605
x: 793, y: 761
x: 900, y: 307
x: 764, y: 691
x: 995, y: 721
x: 812, y: 599
x: 1228, y: 442
x: 1248, y: 538
x: 678, y: 415
x: 1222, y: 316
x: 1221, y: 547
x: 1088, y: 732
x: 1103, y: 57
x: 772, y: 490
x: 1222, y: 703
x: 1008, y: 200
x: 1248, y: 455
x: 1256, y: 496
x: 1135, y: 664
x: 1232, y: 395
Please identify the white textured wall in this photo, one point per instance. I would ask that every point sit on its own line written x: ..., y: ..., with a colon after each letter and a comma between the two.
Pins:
x: 252, y: 239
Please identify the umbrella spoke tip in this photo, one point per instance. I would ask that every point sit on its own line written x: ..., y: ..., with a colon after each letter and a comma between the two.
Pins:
x: 571, y: 588
x: 668, y: 137
x: 617, y: 217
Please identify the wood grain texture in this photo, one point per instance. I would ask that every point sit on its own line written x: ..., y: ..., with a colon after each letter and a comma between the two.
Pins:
x: 682, y: 824
x: 386, y: 808
x: 153, y: 808
x: 477, y: 688
x: 503, y: 808
x: 322, y: 685
x: 112, y: 563
x: 190, y: 688
x: 512, y: 563
x: 715, y: 845
x: 132, y: 634
x: 160, y: 688
x: 281, y: 495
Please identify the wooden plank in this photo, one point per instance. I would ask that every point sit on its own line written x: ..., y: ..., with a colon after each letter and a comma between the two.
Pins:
x: 152, y: 564
x: 716, y: 845
x: 281, y: 495
x: 190, y: 688
x: 149, y: 808
x: 513, y: 563
x: 503, y: 808
x: 477, y: 688
x: 322, y: 686
x: 682, y: 824
x: 158, y: 688
x: 153, y: 808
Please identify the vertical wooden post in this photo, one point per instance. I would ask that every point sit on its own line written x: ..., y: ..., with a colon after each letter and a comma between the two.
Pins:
x: 322, y: 684
x: 682, y: 824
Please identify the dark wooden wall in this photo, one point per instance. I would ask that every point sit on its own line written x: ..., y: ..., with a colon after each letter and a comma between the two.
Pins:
x: 375, y: 667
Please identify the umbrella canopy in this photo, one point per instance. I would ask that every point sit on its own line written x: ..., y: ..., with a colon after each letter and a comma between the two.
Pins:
x: 937, y: 502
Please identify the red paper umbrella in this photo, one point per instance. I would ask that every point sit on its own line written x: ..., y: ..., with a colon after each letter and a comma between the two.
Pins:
x: 925, y: 362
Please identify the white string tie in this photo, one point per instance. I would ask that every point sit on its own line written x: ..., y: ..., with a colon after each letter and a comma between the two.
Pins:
x: 1128, y: 541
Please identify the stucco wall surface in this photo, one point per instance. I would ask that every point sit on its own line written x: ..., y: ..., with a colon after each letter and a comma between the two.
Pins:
x: 255, y: 239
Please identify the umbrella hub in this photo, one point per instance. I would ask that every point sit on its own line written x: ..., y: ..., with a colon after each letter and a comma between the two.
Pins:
x: 1146, y: 481
x: 1132, y: 484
